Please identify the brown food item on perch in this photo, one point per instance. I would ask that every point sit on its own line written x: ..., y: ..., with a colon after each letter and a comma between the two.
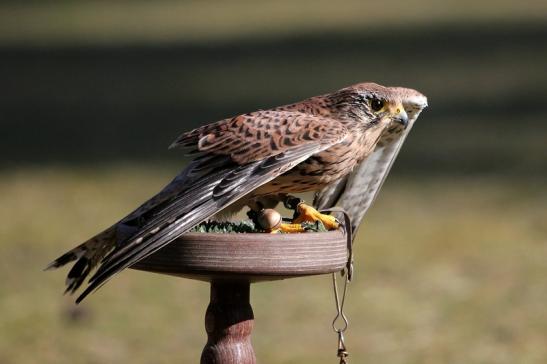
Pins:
x: 269, y: 219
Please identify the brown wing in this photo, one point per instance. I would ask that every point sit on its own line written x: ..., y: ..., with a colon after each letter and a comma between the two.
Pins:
x: 250, y: 137
x: 237, y: 156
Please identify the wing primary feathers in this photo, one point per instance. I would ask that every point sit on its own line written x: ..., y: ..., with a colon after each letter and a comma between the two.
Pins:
x: 232, y: 158
x: 195, y: 204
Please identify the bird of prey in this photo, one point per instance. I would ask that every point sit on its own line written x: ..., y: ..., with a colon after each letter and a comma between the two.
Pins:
x: 340, y: 145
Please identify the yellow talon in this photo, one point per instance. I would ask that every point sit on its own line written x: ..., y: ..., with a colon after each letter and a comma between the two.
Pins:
x: 288, y: 228
x: 309, y: 214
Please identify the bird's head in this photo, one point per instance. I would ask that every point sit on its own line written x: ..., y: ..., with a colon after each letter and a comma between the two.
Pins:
x: 374, y: 104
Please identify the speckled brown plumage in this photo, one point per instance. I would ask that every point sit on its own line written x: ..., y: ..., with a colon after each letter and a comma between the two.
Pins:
x: 313, y: 145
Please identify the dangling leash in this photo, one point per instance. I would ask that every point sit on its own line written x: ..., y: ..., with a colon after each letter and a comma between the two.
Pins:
x: 340, y: 323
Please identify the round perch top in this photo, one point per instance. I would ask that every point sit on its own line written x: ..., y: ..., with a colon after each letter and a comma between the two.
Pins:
x: 253, y: 256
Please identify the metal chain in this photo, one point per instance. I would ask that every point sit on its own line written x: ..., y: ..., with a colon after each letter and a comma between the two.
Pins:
x: 347, y: 273
x: 342, y: 351
x: 341, y: 327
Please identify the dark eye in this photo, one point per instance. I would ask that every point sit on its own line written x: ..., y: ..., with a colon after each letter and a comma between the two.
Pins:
x: 376, y: 104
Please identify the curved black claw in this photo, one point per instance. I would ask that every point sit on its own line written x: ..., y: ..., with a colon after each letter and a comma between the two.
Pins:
x: 292, y: 202
x: 253, y: 216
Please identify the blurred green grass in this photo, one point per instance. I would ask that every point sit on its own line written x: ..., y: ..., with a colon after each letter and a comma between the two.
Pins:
x: 449, y: 270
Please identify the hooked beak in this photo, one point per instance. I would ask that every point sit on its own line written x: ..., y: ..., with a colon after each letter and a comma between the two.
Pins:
x: 401, y: 117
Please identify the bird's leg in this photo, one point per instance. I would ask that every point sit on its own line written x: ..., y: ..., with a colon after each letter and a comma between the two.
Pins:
x: 306, y: 213
x: 253, y: 216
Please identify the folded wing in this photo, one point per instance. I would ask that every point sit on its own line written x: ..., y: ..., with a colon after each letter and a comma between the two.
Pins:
x: 234, y: 158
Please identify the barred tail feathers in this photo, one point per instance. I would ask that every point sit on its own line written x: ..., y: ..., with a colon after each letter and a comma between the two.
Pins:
x: 87, y: 255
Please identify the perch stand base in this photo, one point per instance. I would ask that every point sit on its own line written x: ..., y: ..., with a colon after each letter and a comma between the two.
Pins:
x: 231, y: 262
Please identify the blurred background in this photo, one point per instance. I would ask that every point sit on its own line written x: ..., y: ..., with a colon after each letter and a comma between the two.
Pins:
x: 452, y: 260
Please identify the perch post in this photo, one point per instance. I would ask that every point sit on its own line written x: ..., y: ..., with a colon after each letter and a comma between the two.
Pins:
x: 229, y: 322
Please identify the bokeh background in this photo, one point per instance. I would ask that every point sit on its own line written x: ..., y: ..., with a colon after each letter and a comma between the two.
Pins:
x: 451, y: 261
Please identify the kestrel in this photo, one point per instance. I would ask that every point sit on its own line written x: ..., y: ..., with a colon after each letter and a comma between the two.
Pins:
x: 340, y: 145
